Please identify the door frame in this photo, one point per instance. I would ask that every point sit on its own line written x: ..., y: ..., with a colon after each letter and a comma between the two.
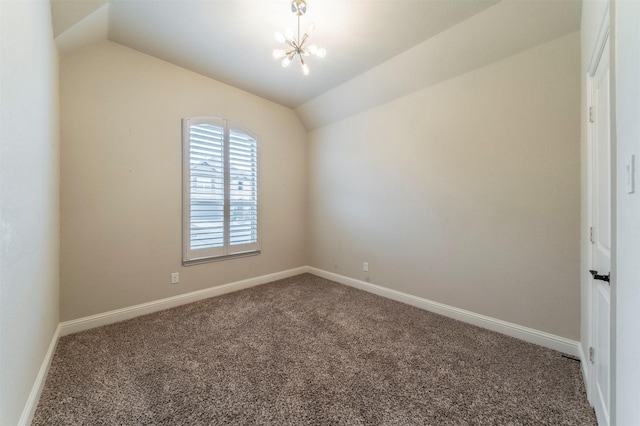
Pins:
x: 589, y: 371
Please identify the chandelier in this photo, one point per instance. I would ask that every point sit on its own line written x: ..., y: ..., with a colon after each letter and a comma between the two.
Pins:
x: 297, y: 46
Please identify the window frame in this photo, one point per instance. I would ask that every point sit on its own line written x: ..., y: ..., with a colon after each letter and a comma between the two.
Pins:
x: 226, y: 251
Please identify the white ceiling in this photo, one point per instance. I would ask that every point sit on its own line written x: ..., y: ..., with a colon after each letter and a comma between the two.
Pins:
x: 232, y: 40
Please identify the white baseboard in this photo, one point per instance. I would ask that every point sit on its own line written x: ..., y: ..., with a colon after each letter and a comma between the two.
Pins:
x: 86, y: 323
x: 34, y: 396
x: 531, y: 335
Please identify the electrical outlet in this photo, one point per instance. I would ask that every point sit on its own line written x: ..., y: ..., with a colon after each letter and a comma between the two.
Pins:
x: 365, y: 266
x: 175, y: 277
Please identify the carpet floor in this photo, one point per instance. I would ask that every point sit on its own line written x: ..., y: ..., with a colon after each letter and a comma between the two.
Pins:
x: 306, y: 351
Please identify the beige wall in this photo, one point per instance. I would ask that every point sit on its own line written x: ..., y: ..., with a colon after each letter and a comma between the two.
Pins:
x: 121, y: 179
x: 466, y: 193
x: 29, y: 209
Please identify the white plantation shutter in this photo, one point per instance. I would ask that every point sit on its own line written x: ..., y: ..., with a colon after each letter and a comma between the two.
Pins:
x: 243, y: 191
x: 220, y: 167
x: 206, y: 183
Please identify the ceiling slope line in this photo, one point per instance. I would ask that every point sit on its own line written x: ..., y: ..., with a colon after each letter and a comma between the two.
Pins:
x: 497, y: 33
x: 91, y: 29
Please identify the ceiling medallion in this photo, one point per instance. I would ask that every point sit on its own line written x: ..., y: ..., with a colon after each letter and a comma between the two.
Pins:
x: 297, y: 46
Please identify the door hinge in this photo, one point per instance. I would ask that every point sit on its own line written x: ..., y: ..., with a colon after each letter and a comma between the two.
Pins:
x: 591, y: 354
x: 591, y: 115
x: 591, y: 235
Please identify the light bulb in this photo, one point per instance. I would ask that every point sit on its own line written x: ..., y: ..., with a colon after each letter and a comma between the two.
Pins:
x: 305, y: 69
x: 288, y: 34
x: 278, y: 53
x: 279, y: 37
x: 313, y: 49
x: 285, y: 62
x: 310, y: 29
x: 321, y: 53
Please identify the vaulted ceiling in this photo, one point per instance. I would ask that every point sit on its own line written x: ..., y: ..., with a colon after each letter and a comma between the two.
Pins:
x: 232, y: 40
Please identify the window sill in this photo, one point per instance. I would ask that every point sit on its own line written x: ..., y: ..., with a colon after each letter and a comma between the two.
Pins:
x: 220, y: 258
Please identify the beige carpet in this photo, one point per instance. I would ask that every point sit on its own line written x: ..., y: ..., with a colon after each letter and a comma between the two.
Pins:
x: 305, y: 350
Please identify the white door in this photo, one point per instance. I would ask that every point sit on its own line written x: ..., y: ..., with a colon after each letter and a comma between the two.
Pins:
x: 600, y: 172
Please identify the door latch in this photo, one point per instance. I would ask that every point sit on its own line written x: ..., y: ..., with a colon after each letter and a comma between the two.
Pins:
x: 600, y: 277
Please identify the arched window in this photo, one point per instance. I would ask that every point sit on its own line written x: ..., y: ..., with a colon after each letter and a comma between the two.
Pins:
x: 220, y: 190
